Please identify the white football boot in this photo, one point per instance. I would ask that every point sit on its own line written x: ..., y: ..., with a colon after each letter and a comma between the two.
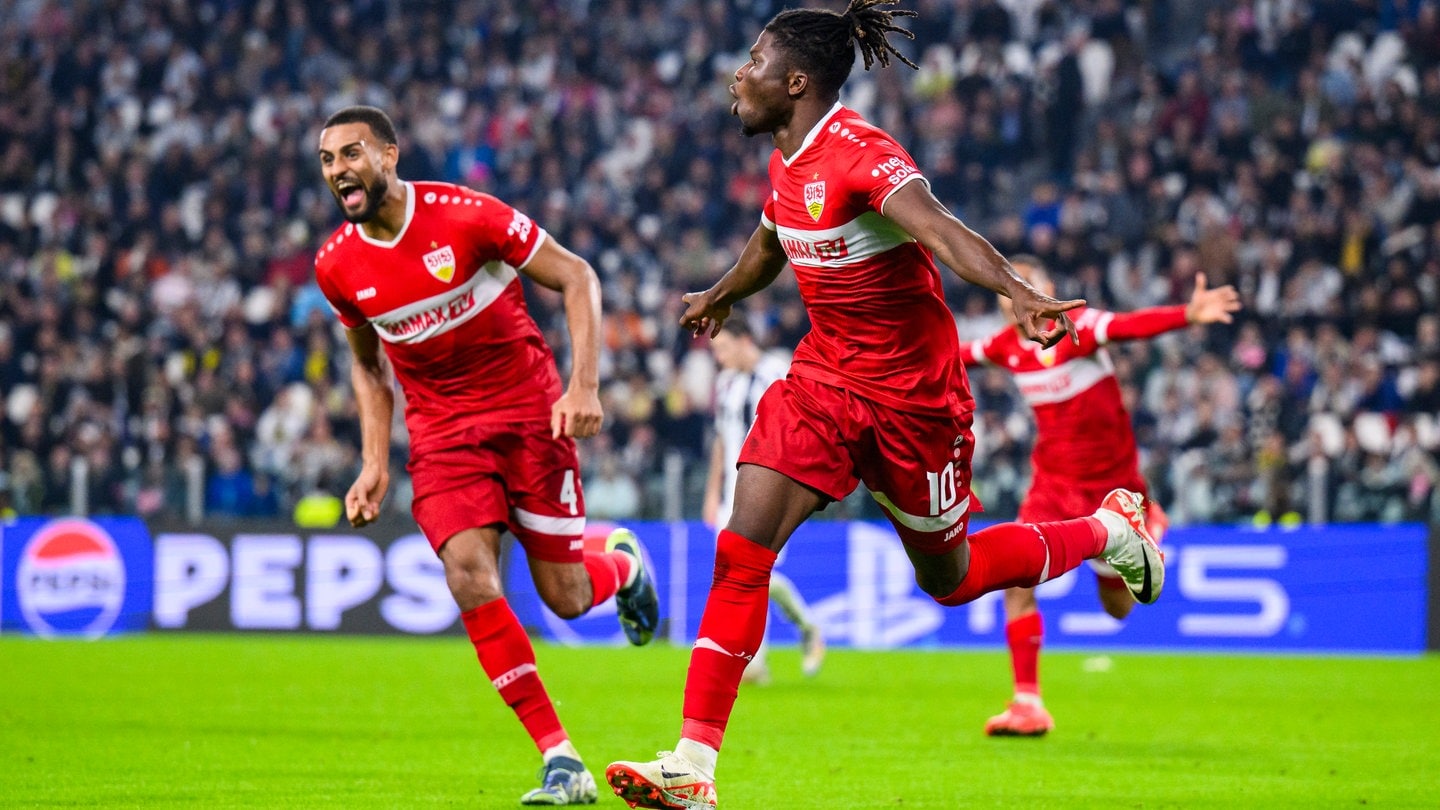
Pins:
x: 1131, y: 551
x: 671, y: 782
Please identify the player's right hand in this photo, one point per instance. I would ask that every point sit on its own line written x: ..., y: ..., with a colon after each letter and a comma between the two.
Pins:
x: 702, y: 314
x: 362, y: 502
x: 1034, y: 311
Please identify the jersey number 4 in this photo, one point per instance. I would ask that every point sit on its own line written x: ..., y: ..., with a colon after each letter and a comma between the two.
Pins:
x: 567, y: 492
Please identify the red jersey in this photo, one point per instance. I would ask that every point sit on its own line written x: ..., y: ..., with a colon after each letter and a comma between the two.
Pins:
x: 446, y: 300
x: 879, y: 323
x: 1082, y: 431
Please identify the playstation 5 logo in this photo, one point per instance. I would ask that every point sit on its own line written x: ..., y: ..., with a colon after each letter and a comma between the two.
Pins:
x: 986, y: 614
x: 881, y: 606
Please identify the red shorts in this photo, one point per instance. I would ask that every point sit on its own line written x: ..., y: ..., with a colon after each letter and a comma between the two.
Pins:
x: 916, y: 466
x: 514, y: 475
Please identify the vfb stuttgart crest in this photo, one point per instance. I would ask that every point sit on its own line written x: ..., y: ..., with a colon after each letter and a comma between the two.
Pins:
x: 441, y: 263
x: 815, y: 199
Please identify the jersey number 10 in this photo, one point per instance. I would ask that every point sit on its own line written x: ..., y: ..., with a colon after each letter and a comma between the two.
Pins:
x: 942, y: 489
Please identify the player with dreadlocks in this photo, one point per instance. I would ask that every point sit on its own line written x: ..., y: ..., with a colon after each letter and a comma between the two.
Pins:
x: 876, y: 391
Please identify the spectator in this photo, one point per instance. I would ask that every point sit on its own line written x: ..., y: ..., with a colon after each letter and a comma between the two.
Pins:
x: 156, y: 224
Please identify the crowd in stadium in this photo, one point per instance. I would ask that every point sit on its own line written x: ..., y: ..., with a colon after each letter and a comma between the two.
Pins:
x: 161, y: 202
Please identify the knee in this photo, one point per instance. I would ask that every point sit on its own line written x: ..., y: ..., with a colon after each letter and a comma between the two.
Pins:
x: 567, y: 603
x: 943, y: 581
x: 941, y: 589
x: 472, y: 584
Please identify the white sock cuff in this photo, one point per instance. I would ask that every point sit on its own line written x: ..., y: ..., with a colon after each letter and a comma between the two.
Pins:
x: 564, y: 748
x: 1115, y: 525
x: 701, y: 755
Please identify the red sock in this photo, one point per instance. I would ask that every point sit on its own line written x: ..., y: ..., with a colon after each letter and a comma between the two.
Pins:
x: 1026, y: 554
x: 608, y: 570
x: 1025, y: 635
x: 731, y: 630
x: 508, y: 659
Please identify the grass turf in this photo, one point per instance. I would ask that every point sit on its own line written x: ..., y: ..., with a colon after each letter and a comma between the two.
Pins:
x: 261, y: 721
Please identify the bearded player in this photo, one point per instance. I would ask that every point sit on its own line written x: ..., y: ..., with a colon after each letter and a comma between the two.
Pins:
x: 876, y: 391
x: 1084, y: 446
x: 431, y: 272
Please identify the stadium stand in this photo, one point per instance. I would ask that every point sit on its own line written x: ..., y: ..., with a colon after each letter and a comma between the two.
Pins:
x: 163, y: 348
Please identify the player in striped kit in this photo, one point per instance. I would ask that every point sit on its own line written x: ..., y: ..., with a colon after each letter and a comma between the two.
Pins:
x: 745, y: 374
x: 876, y: 391
x: 431, y: 273
x: 1084, y: 447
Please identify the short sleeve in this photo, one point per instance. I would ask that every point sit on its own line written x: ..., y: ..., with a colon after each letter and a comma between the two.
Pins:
x: 990, y: 351
x: 349, y: 314
x: 506, y: 233
x: 767, y: 212
x: 882, y: 168
x: 977, y: 352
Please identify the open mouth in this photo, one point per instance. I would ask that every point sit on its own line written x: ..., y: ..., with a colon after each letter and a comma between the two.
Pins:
x: 351, y: 193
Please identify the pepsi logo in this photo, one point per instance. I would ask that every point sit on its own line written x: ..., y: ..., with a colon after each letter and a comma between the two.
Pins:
x: 70, y: 580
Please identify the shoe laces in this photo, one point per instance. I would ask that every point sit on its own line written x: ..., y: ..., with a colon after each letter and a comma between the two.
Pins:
x: 555, y: 776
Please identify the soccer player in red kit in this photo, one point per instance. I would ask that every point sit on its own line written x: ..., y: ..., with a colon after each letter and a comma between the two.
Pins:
x: 1084, y: 447
x: 430, y: 271
x: 876, y: 390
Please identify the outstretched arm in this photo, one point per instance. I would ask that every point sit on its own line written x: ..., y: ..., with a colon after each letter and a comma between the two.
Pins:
x: 577, y: 413
x: 373, y: 381
x: 760, y: 262
x: 1206, y: 306
x: 975, y: 260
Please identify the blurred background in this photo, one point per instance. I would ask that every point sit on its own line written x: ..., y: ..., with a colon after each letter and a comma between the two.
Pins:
x: 165, y: 353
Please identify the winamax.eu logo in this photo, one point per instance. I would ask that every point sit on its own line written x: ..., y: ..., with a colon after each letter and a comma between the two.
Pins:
x: 70, y: 580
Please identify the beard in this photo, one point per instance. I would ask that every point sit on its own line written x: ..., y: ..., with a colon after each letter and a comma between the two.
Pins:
x: 374, y: 196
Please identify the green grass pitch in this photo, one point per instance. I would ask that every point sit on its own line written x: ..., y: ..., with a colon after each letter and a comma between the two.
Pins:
x: 264, y: 721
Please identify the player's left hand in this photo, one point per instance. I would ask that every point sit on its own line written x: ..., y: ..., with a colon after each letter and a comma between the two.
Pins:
x: 1035, y: 311
x: 1211, y: 306
x: 577, y: 414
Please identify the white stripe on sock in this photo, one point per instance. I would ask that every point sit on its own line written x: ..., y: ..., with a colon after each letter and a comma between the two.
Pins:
x: 1044, y: 572
x: 513, y: 675
x: 706, y: 644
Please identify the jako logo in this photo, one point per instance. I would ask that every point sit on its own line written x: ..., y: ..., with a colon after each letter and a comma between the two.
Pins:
x: 70, y: 580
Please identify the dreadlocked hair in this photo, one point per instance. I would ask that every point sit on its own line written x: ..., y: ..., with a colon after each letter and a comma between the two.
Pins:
x: 819, y: 41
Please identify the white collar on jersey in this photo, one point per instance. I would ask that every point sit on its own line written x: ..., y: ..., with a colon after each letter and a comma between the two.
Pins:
x: 409, y: 215
x: 812, y: 134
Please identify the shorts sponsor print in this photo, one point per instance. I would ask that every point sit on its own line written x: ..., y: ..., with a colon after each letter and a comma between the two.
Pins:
x: 515, y: 475
x: 916, y: 466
